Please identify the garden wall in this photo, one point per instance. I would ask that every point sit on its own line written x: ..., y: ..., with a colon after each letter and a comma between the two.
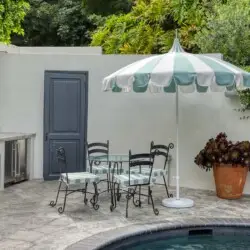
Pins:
x: 129, y: 121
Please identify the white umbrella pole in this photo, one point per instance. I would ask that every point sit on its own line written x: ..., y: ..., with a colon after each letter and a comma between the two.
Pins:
x: 177, y: 202
x: 177, y: 144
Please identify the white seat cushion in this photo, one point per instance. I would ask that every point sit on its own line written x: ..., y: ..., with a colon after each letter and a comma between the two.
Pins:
x: 135, y: 179
x: 103, y: 169
x: 156, y: 172
x: 79, y: 178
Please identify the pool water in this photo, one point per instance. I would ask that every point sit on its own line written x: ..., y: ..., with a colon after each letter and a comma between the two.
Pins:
x: 206, y: 242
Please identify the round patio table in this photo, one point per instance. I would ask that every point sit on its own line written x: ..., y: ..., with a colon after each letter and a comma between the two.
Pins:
x: 115, y: 162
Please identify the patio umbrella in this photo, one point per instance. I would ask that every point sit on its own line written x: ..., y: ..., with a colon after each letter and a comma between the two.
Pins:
x: 174, y: 71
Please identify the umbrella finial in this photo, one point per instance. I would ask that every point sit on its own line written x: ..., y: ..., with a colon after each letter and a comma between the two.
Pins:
x: 176, y: 47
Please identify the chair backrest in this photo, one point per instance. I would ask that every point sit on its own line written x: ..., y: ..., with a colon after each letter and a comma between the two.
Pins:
x: 62, y: 161
x: 161, y: 150
x: 140, y: 160
x: 98, y: 149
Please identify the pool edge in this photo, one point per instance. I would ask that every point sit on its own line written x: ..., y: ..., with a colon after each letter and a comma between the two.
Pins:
x: 100, y: 240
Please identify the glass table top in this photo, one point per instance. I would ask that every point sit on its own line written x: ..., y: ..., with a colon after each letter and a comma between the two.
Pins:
x: 110, y: 158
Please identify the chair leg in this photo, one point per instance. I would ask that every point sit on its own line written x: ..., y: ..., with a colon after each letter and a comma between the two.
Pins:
x: 156, y: 211
x: 128, y: 198
x: 108, y: 183
x: 85, y: 194
x: 115, y: 194
x: 137, y: 203
x: 118, y: 192
x: 149, y: 196
x: 166, y: 186
x: 139, y: 196
x: 53, y: 203
x: 94, y: 199
x: 112, y: 206
x: 61, y: 209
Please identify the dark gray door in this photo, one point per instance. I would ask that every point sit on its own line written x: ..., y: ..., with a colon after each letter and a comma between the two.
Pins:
x: 65, y: 120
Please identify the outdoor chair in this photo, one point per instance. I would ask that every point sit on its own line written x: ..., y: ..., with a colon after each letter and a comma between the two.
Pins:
x: 74, y: 182
x: 99, y: 149
x: 161, y: 150
x: 158, y: 150
x: 131, y: 182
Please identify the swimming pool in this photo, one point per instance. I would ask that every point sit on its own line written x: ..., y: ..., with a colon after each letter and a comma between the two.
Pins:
x: 199, y: 238
x: 173, y: 234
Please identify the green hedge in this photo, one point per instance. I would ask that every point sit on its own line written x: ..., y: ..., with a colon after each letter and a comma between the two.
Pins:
x: 246, y: 68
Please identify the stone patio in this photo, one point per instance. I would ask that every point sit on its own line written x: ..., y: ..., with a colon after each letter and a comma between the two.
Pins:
x: 27, y: 222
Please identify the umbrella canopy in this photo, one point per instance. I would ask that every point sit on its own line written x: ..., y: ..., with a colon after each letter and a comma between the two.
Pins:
x: 164, y: 72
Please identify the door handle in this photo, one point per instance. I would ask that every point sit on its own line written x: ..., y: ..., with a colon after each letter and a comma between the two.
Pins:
x: 46, y: 137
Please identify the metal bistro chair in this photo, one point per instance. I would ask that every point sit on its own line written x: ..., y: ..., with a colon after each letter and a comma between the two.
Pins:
x: 161, y: 150
x: 158, y: 150
x: 131, y: 181
x: 99, y: 149
x: 74, y: 182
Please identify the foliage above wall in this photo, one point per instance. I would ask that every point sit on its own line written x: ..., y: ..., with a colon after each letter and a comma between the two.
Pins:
x: 38, y: 25
x: 140, y: 31
x: 244, y: 96
x: 131, y: 26
x: 107, y: 7
x: 66, y: 22
x: 12, y: 14
x: 58, y: 23
x: 149, y: 27
x: 246, y: 68
x: 227, y: 31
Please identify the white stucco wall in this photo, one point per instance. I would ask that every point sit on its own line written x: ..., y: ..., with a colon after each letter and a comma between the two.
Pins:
x: 127, y: 120
x: 12, y: 49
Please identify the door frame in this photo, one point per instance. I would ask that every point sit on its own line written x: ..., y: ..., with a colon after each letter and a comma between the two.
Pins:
x: 46, y: 110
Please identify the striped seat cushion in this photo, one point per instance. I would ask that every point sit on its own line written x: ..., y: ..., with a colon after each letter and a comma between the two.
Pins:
x: 135, y: 179
x: 103, y: 169
x: 156, y: 172
x: 79, y: 178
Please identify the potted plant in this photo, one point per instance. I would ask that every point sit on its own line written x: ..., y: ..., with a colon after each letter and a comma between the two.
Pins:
x: 230, y: 163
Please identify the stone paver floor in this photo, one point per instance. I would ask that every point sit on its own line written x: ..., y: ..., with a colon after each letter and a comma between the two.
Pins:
x: 27, y: 222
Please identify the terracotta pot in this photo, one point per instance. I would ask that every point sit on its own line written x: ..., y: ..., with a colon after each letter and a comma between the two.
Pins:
x: 229, y: 180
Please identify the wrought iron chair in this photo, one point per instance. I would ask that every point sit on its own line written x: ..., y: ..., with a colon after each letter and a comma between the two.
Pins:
x: 161, y: 150
x: 131, y: 181
x: 96, y: 167
x: 158, y: 150
x: 74, y: 182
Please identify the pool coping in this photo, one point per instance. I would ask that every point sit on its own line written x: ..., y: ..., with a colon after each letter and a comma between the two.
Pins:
x: 100, y: 240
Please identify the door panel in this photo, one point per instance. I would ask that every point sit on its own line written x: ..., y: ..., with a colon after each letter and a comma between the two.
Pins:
x: 65, y: 120
x: 65, y: 115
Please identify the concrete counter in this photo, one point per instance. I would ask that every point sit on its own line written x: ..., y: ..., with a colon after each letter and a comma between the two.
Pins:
x: 9, y: 136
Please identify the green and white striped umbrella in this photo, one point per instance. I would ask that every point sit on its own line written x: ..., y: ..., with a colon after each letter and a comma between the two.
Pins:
x: 171, y: 72
x: 191, y: 72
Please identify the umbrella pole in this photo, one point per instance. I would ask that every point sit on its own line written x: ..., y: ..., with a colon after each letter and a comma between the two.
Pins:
x: 177, y: 144
x: 177, y: 202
